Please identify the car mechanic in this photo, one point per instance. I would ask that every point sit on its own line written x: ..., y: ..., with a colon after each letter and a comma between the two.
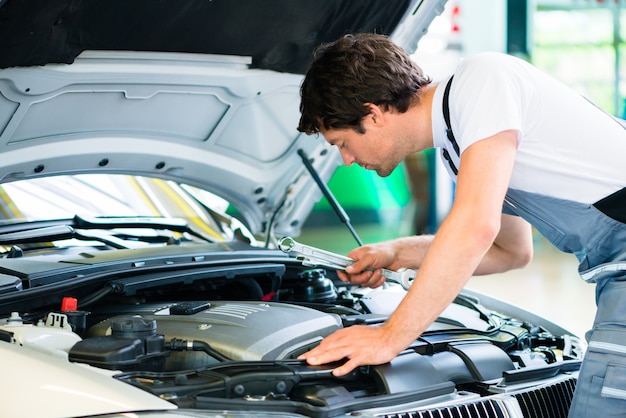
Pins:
x: 523, y: 149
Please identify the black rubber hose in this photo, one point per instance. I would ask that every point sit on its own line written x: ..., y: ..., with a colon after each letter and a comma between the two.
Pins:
x: 176, y: 344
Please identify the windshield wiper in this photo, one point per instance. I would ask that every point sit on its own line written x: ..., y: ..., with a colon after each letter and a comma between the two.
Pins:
x: 108, y: 223
x: 99, y: 228
x: 60, y: 232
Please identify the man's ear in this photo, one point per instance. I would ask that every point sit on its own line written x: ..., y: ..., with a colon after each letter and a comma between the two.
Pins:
x: 376, y: 114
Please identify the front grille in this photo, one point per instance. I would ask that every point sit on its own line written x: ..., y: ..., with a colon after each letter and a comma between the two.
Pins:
x: 549, y: 401
x: 484, y: 409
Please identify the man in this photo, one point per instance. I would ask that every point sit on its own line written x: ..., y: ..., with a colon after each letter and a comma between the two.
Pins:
x: 523, y: 149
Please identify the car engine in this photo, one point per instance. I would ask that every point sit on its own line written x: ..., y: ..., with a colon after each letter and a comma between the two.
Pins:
x: 221, y: 333
x: 223, y: 353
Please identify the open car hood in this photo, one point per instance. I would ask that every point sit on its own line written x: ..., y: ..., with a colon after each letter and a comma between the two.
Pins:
x: 204, y: 93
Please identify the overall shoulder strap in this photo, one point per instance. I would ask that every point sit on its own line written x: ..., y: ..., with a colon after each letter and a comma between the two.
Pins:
x: 446, y: 116
x: 449, y: 133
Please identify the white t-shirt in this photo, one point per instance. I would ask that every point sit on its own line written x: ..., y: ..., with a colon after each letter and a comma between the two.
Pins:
x: 569, y: 148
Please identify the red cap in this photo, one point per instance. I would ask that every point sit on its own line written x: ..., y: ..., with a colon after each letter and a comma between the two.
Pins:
x: 69, y: 304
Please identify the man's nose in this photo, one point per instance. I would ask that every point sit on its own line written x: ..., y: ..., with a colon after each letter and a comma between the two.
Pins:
x: 348, y: 159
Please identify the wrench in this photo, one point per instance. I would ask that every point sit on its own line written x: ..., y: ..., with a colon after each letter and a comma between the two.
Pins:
x: 316, y: 257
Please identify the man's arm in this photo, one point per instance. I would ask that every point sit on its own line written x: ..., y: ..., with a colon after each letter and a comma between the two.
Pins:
x: 512, y: 248
x: 464, y: 239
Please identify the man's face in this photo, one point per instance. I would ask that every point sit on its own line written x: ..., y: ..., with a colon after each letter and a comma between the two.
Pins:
x: 362, y: 149
x: 371, y: 150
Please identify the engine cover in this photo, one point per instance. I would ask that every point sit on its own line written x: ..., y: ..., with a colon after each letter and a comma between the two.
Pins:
x: 241, y: 330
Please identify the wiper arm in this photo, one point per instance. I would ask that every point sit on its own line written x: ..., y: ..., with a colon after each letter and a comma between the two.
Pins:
x: 56, y: 233
x: 98, y: 231
x: 170, y: 224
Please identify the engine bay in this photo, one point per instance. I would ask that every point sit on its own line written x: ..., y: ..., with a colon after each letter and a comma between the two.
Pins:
x: 217, y: 351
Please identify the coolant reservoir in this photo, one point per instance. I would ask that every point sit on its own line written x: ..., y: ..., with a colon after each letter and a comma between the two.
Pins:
x: 41, y: 337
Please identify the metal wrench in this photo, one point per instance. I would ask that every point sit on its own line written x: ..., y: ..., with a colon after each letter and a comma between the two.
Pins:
x: 316, y: 257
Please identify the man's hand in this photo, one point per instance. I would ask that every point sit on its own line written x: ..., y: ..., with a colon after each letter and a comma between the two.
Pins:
x: 360, y: 344
x: 366, y: 270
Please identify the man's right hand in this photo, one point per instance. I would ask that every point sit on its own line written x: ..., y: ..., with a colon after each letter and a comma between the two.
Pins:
x: 369, y: 260
x: 360, y: 344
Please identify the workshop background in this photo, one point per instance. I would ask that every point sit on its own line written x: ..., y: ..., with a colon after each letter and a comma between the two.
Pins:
x: 580, y: 42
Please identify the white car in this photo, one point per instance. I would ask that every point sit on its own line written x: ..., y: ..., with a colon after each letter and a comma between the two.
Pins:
x: 150, y: 168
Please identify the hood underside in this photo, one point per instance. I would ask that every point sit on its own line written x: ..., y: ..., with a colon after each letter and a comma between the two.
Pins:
x: 277, y: 34
x: 204, y: 93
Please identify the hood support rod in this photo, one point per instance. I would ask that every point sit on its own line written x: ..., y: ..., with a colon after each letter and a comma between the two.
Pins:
x: 343, y: 216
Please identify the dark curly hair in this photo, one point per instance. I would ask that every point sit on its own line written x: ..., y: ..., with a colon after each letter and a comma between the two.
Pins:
x: 352, y: 71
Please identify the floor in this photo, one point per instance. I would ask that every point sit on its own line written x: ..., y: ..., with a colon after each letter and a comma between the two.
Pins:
x: 549, y: 286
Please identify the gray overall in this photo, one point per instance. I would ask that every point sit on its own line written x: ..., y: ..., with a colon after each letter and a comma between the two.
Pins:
x: 599, y: 242
x: 596, y: 235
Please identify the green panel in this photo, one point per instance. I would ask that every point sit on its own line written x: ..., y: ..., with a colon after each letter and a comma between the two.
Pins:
x: 357, y: 188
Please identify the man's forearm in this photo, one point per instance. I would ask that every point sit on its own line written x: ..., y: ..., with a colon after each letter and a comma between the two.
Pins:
x: 410, y: 251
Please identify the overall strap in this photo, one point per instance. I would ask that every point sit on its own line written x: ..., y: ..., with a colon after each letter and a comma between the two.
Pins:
x: 450, y: 135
